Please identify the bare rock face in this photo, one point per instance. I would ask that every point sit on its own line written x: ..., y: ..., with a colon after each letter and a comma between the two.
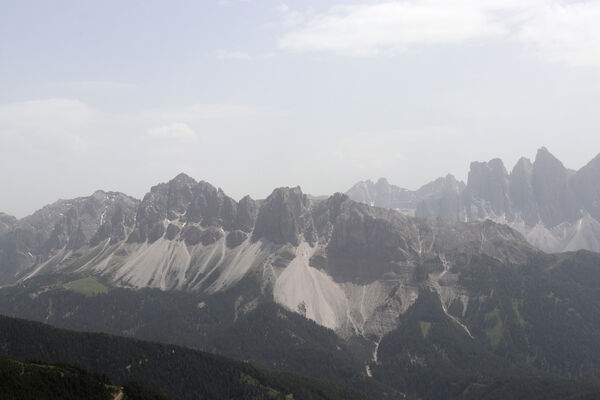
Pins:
x: 235, y: 238
x: 66, y: 224
x: 284, y: 217
x: 211, y: 207
x: 556, y: 209
x: 247, y: 213
x: 551, y: 191
x: 166, y: 201
x: 353, y: 267
x: 586, y: 186
x: 487, y: 190
x: 382, y: 194
x: 441, y: 198
x: 172, y: 231
x: 185, y: 201
x: 194, y: 235
x: 81, y: 221
x: 7, y: 222
x: 521, y: 191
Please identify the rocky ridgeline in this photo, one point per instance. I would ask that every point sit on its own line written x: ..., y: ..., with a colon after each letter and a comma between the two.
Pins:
x: 555, y: 208
x: 349, y: 266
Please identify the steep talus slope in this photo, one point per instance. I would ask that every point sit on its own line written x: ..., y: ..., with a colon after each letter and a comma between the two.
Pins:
x: 55, y: 232
x: 555, y: 208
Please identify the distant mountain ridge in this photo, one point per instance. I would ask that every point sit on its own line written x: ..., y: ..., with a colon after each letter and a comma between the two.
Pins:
x: 555, y: 208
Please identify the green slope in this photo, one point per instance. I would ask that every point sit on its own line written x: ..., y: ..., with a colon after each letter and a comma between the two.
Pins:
x: 21, y: 380
x: 268, y: 336
x: 175, y: 371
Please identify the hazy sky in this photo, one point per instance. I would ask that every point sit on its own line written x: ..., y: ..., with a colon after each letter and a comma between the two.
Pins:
x: 251, y: 95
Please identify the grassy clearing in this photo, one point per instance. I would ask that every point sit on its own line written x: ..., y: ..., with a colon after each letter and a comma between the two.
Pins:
x: 515, y: 306
x: 425, y: 326
x: 87, y: 286
x: 496, y: 332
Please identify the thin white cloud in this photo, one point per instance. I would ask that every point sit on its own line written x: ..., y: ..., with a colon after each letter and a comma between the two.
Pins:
x: 58, y: 125
x: 560, y: 31
x: 175, y: 130
x: 50, y: 123
x: 231, y: 55
x: 568, y: 33
x: 53, y: 127
x: 202, y: 112
x: 98, y: 85
x: 368, y: 29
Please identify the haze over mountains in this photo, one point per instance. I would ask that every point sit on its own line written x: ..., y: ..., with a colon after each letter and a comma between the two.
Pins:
x: 555, y: 208
x: 190, y: 265
x: 346, y: 265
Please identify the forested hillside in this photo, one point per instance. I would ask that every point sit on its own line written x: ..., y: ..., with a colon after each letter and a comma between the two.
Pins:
x: 175, y: 371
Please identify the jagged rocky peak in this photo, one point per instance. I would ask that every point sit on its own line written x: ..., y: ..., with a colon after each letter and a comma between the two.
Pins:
x: 547, y: 161
x: 521, y: 191
x: 6, y: 222
x: 247, y: 213
x: 184, y: 200
x: 586, y: 185
x: 483, y: 175
x: 211, y: 207
x: 440, y: 186
x: 71, y: 224
x: 441, y: 198
x: 382, y: 183
x: 383, y: 194
x: 285, y: 217
x: 556, y: 203
x: 169, y: 199
x: 362, y: 191
x: 488, y: 181
x: 324, y: 214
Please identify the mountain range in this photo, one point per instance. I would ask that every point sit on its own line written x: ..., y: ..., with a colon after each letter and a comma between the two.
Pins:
x: 345, y: 265
x: 555, y: 208
x: 361, y: 294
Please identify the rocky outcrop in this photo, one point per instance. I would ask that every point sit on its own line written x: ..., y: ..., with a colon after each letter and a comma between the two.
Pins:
x: 487, y: 191
x: 555, y: 201
x: 585, y: 184
x: 65, y: 225
x: 284, y: 217
x: 7, y: 222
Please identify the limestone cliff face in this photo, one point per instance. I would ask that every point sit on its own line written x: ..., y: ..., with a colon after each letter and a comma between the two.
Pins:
x: 6, y: 222
x: 349, y: 266
x: 556, y: 209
